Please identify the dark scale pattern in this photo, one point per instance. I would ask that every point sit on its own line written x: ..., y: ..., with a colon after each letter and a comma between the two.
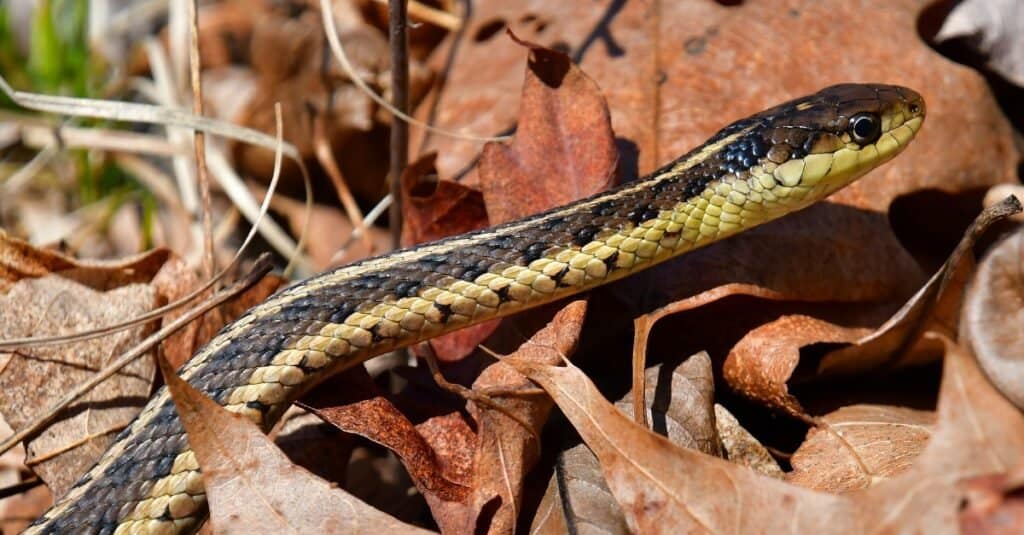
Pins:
x: 151, y: 450
x: 150, y: 453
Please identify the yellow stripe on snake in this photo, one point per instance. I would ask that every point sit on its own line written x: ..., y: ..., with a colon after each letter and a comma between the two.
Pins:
x: 754, y: 170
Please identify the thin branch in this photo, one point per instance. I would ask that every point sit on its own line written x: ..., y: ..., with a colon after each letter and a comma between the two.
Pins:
x: 325, y: 156
x: 398, y: 30
x: 200, y: 138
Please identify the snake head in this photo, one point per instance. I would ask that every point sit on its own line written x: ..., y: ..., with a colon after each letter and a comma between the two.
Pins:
x: 807, y: 148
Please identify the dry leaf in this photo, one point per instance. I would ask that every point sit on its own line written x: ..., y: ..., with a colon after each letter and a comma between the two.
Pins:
x: 587, y: 500
x: 434, y: 209
x: 993, y: 313
x: 362, y: 410
x: 660, y: 485
x: 20, y: 260
x: 250, y: 484
x: 564, y: 147
x: 994, y: 28
x: 35, y: 378
x: 507, y: 450
x: 859, y: 445
x: 761, y: 364
x: 664, y: 488
x: 680, y: 398
x: 47, y: 293
x: 977, y: 432
x: 741, y: 447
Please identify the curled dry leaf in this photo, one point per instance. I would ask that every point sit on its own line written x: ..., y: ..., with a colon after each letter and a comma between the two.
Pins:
x: 993, y: 313
x: 564, y: 147
x: 762, y: 363
x: 20, y: 260
x: 679, y: 405
x: 506, y: 449
x: 680, y: 398
x: 741, y: 447
x: 859, y: 445
x: 250, y: 484
x: 658, y: 484
x: 977, y: 432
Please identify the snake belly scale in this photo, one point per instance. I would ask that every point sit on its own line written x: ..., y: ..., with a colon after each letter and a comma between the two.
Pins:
x: 753, y: 171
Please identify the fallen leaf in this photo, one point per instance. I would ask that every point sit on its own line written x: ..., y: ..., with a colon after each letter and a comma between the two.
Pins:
x: 586, y: 500
x: 47, y: 293
x: 434, y: 209
x: 993, y: 28
x: 35, y: 378
x: 741, y: 447
x: 977, y: 432
x: 679, y: 405
x: 362, y: 410
x: 859, y: 445
x: 680, y: 402
x: 508, y: 448
x: 763, y: 362
x: 250, y: 484
x: 20, y: 260
x: 564, y: 147
x: 993, y: 313
x: 658, y: 484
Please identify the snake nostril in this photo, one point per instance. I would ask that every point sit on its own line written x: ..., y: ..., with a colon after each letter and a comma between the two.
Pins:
x: 915, y: 108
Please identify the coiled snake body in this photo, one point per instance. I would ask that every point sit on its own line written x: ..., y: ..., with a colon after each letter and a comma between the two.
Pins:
x: 753, y: 171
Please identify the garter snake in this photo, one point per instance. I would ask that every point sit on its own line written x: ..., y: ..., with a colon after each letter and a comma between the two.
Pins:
x: 752, y: 171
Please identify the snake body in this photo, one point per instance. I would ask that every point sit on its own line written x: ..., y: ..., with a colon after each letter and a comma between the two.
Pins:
x: 752, y: 171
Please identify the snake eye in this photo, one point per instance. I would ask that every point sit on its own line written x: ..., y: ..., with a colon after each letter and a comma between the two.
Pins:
x: 865, y: 128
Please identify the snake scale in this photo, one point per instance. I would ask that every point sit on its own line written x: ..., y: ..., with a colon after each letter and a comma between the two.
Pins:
x: 754, y: 170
